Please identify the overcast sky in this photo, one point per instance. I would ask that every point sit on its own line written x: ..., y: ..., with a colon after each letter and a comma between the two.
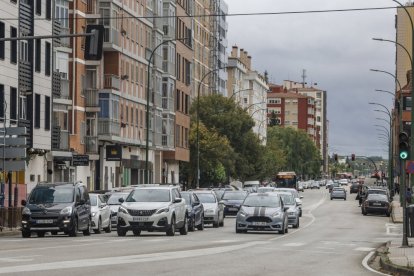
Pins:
x: 337, y: 51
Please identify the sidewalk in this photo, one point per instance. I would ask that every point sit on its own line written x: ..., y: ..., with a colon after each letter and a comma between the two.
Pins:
x: 9, y: 232
x: 393, y: 257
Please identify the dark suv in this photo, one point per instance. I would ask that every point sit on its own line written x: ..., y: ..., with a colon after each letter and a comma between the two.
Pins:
x: 57, y: 207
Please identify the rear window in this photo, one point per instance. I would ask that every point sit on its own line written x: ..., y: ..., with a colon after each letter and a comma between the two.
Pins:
x: 47, y: 195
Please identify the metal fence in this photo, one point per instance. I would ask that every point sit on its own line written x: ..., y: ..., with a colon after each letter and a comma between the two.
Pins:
x: 10, y: 217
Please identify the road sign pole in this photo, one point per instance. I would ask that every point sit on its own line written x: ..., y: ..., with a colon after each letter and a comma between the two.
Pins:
x: 404, y: 202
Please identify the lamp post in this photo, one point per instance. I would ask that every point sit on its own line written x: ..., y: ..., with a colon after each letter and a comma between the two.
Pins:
x: 403, y: 186
x: 238, y: 91
x: 148, y: 103
x: 395, y: 42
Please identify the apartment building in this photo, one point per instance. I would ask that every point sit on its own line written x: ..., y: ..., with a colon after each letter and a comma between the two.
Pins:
x: 248, y: 88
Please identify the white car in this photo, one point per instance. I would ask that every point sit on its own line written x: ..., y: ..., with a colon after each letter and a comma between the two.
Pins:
x: 113, y: 202
x: 343, y: 182
x: 213, y: 209
x: 153, y: 208
x: 101, y: 214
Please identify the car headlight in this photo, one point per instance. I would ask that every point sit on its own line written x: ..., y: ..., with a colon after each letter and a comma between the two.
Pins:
x: 277, y: 214
x: 93, y: 214
x: 163, y: 210
x: 26, y: 211
x: 242, y: 213
x: 122, y: 210
x: 66, y: 211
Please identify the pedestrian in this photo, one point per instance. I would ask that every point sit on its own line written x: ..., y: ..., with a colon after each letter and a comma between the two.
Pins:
x: 361, y: 195
x: 408, y: 195
x: 396, y: 188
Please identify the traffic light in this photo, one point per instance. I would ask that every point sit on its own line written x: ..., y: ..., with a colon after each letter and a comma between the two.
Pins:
x: 94, y: 43
x: 336, y: 157
x: 353, y: 157
x: 403, y: 145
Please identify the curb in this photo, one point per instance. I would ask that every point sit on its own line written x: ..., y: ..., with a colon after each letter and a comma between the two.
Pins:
x: 388, y: 266
x: 8, y: 232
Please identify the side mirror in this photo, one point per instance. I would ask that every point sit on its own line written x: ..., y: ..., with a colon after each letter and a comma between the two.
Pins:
x: 23, y: 202
x: 102, y: 205
x: 121, y: 200
x: 178, y: 200
x: 285, y: 209
x: 195, y: 204
x: 301, y: 197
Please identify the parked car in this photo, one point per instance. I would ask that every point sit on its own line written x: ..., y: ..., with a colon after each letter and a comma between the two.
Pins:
x: 195, y: 211
x: 376, y: 203
x: 273, y: 216
x: 213, y: 210
x: 57, y: 207
x: 232, y: 202
x: 314, y: 185
x: 338, y: 192
x: 298, y: 198
x: 379, y: 190
x: 293, y: 211
x: 219, y: 192
x: 153, y: 208
x: 113, y: 202
x: 101, y: 214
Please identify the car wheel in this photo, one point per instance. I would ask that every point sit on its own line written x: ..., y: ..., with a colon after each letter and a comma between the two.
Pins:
x: 136, y: 232
x: 98, y: 230
x: 201, y: 225
x: 282, y: 232
x: 300, y: 213
x: 221, y: 224
x: 171, y: 229
x: 297, y: 224
x: 387, y: 214
x: 74, y: 231
x: 344, y: 198
x: 364, y: 212
x: 184, y: 229
x: 41, y: 234
x: 121, y: 232
x: 238, y: 231
x: 191, y: 225
x: 26, y: 234
x: 88, y: 230
x: 216, y: 224
x: 109, y: 228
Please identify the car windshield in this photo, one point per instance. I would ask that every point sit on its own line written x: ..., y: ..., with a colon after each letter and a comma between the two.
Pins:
x: 114, y: 199
x: 186, y: 197
x: 234, y: 196
x: 338, y: 190
x: 206, y: 198
x: 261, y: 201
x: 94, y: 200
x: 287, y: 199
x: 149, y: 195
x: 45, y: 195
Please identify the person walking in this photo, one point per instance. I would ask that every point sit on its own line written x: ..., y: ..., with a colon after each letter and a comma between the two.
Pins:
x: 408, y: 195
x: 396, y: 188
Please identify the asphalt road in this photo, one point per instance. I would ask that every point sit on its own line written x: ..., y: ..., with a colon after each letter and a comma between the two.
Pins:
x: 333, y: 239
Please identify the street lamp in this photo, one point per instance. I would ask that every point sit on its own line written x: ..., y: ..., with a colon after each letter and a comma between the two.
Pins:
x: 148, y: 102
x: 395, y: 42
x: 238, y: 91
x: 384, y: 129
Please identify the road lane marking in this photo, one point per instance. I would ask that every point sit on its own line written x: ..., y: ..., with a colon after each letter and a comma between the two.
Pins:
x: 365, y: 249
x: 152, y: 257
x: 365, y: 264
x: 294, y: 244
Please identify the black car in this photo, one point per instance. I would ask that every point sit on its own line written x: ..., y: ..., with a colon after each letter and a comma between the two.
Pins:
x: 57, y: 207
x: 195, y: 211
x: 232, y: 201
x: 354, y: 188
x: 376, y: 203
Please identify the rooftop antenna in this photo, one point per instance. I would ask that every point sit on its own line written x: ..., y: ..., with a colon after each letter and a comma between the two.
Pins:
x: 303, y: 78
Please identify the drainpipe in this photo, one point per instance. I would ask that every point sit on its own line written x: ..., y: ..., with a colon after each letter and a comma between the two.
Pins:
x: 73, y: 67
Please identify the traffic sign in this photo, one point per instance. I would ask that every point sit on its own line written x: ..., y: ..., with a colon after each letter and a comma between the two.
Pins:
x: 409, y: 167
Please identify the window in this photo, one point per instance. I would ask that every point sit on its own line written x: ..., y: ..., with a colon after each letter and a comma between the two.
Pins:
x: 49, y: 9
x: 38, y: 55
x: 47, y: 59
x: 1, y: 101
x: 38, y: 7
x: 13, y: 45
x: 2, y: 42
x: 37, y: 111
x: 47, y: 112
x: 22, y: 107
x: 13, y: 103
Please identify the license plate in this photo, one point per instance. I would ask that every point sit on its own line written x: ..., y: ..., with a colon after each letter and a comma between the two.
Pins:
x: 140, y: 218
x: 377, y: 204
x: 113, y: 218
x: 259, y: 223
x: 44, y: 221
x: 233, y: 209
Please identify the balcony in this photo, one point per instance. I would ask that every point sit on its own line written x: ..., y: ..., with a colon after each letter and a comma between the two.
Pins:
x: 111, y: 82
x: 112, y: 38
x: 60, y: 138
x: 64, y: 89
x: 168, y: 104
x: 91, y: 143
x: 64, y: 41
x: 109, y: 127
x: 168, y: 67
x: 91, y: 97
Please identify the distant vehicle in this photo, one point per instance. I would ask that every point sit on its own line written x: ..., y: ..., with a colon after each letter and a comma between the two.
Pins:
x: 338, y: 192
x: 354, y: 187
x: 57, y: 207
x: 334, y: 185
x: 113, y: 202
x: 101, y: 214
x: 343, y: 182
x: 293, y: 212
x: 273, y: 217
x: 376, y: 203
x: 286, y: 180
x: 232, y: 201
x: 213, y: 210
x: 329, y: 183
x: 314, y: 185
x: 300, y: 187
x: 265, y: 189
x: 295, y: 193
x: 254, y: 184
x: 195, y: 211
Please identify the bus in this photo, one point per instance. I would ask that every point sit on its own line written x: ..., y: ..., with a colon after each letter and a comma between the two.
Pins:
x: 286, y: 180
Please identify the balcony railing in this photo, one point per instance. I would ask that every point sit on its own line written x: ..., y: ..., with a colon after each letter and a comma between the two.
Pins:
x: 64, y: 89
x: 108, y: 127
x: 112, y: 82
x: 91, y: 97
x: 64, y: 41
x: 91, y: 143
x: 112, y: 36
x: 64, y: 140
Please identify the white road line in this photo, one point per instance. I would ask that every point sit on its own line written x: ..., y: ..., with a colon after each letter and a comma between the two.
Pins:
x: 365, y: 264
x: 364, y: 249
x: 294, y: 244
x: 129, y: 259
